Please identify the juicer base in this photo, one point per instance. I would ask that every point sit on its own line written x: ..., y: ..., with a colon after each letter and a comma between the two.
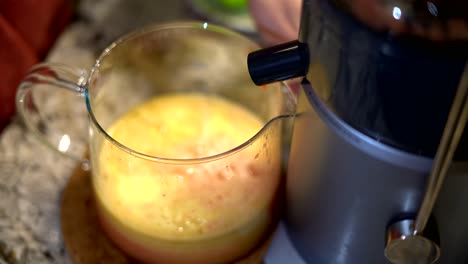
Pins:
x: 281, y: 249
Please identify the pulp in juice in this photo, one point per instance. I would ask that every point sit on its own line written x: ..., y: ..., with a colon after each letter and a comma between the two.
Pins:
x: 188, y: 210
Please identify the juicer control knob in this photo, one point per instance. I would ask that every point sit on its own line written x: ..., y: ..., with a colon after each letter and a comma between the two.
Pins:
x: 277, y: 63
x: 406, y: 247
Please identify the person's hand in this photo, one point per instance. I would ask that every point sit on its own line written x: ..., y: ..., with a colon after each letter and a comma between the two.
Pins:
x: 277, y: 20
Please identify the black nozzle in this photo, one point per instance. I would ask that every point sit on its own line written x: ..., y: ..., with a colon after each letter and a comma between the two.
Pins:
x: 278, y: 63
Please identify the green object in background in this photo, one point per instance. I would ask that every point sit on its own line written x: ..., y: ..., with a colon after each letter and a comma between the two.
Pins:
x: 230, y: 13
x: 234, y: 4
x: 229, y: 6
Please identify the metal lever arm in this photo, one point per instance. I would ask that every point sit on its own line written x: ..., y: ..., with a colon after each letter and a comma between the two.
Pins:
x: 453, y: 130
x: 405, y: 244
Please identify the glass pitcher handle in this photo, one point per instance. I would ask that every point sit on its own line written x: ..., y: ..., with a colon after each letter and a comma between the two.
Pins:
x: 56, y: 126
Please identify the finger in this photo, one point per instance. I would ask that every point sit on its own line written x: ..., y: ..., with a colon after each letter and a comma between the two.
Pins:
x: 293, y: 13
x: 271, y: 18
x: 273, y: 37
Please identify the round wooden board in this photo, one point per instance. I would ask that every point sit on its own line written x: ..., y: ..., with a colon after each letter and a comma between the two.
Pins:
x: 83, y: 237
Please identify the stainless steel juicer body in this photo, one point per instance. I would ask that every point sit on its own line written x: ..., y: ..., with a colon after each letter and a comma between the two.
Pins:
x: 344, y: 188
x: 370, y: 116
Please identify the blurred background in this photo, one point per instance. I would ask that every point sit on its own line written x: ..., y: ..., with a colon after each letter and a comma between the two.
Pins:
x: 30, y: 30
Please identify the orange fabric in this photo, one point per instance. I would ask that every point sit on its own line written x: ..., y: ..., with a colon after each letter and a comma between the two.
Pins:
x: 28, y: 28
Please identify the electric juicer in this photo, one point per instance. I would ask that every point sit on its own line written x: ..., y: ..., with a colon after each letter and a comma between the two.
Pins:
x: 380, y: 80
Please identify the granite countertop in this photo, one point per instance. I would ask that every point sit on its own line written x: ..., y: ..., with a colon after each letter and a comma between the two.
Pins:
x: 33, y: 176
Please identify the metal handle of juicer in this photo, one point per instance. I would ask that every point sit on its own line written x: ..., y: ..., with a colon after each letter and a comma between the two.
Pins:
x: 405, y: 244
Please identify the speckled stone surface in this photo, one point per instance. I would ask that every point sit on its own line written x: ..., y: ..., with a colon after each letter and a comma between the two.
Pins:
x: 32, y: 177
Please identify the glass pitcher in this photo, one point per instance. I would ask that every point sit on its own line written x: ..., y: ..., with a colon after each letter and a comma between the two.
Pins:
x: 185, y: 151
